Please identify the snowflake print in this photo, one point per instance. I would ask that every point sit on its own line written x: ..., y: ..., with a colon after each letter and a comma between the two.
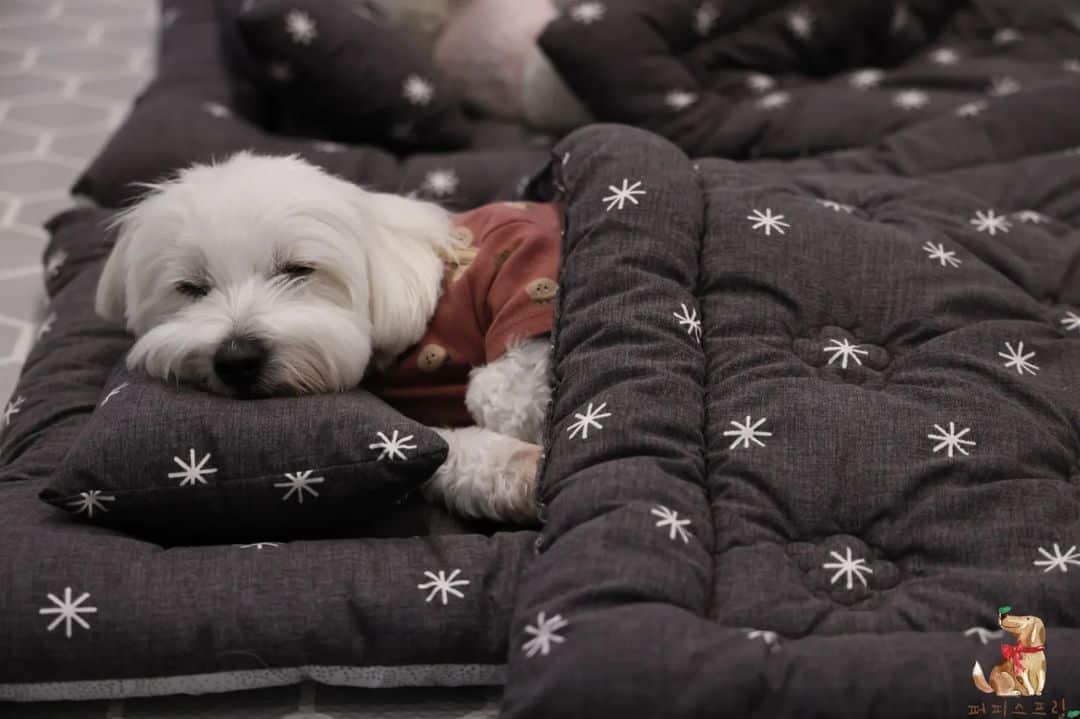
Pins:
x: 1071, y: 321
x: 46, y: 326
x: 971, y: 109
x: 1006, y: 36
x: 760, y: 82
x: 801, y: 23
x: 1057, y: 560
x: 705, y: 18
x: 216, y: 109
x: 89, y: 501
x: 417, y: 90
x: 68, y: 611
x: 192, y: 473
x: 774, y: 100
x: 836, y: 206
x: 1030, y: 216
x: 1071, y: 65
x: 258, y: 545
x: 770, y: 638
x: 587, y: 421
x: 12, y: 408
x: 115, y: 391
x: 690, y: 321
x: 587, y: 13
x: 298, y: 483
x: 670, y: 519
x: 55, y: 261
x: 301, y: 27
x: 849, y: 567
x: 767, y: 221
x: 844, y: 350
x: 951, y: 440
x: 329, y: 147
x: 911, y: 99
x: 944, y: 56
x: 984, y: 635
x: 680, y: 99
x: 622, y: 195
x: 745, y: 433
x: 280, y: 72
x: 440, y: 183
x: 392, y: 447
x: 1016, y: 359
x: 443, y: 586
x: 991, y: 223
x: 867, y: 78
x: 544, y: 634
x: 1002, y: 86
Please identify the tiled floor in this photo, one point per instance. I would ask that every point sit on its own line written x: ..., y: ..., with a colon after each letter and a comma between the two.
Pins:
x: 68, y: 72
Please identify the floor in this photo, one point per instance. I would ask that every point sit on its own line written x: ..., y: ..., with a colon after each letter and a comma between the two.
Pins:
x: 68, y: 72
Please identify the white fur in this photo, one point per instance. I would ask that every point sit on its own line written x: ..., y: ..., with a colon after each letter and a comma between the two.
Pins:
x: 377, y: 266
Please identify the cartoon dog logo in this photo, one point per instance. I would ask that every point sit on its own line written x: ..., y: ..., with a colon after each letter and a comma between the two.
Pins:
x: 1023, y: 671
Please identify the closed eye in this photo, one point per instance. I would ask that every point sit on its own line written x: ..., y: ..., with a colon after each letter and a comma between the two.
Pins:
x: 192, y: 289
x: 296, y: 269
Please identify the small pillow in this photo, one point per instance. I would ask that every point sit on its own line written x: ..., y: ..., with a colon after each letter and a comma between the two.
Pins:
x: 185, y: 466
x: 352, y: 76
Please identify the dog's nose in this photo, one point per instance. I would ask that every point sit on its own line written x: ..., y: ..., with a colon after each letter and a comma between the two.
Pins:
x: 239, y: 361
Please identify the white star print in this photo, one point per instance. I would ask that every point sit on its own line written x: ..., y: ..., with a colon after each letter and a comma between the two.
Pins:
x: 679, y: 99
x: 330, y: 147
x: 622, y: 195
x: 55, y: 261
x: 745, y: 433
x: 1002, y: 86
x: 115, y: 391
x: 847, y: 566
x: 298, y: 483
x: 774, y: 100
x: 1035, y: 218
x: 867, y: 78
x: 1071, y: 321
x: 440, y: 183
x: 951, y: 440
x: 984, y: 635
x: 392, y: 447
x: 68, y: 611
x: 770, y: 638
x: 767, y: 221
x: 216, y: 109
x: 988, y: 221
x: 417, y: 90
x: 1057, y: 560
x: 544, y: 634
x: 46, y: 325
x: 690, y: 321
x: 1006, y: 36
x: 89, y: 501
x: 12, y: 408
x: 836, y: 206
x: 670, y: 519
x: 938, y: 252
x: 844, y: 350
x: 1018, y: 360
x: 587, y: 421
x: 944, y: 56
x: 443, y: 585
x: 911, y: 99
x: 587, y: 13
x: 705, y: 18
x: 192, y: 473
x: 760, y: 82
x: 801, y: 23
x: 280, y: 71
x: 970, y: 109
x: 301, y: 27
x: 259, y: 545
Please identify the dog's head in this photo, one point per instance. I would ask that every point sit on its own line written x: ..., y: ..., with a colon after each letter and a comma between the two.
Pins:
x: 1029, y: 630
x: 266, y: 275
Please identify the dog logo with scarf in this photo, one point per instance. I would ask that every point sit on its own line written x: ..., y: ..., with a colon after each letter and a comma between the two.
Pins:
x: 1022, y: 672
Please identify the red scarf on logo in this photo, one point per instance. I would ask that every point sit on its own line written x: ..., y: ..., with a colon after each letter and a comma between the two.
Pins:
x: 1015, y: 654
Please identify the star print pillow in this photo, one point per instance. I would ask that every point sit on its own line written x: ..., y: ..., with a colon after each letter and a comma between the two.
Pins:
x: 182, y: 466
x: 357, y: 80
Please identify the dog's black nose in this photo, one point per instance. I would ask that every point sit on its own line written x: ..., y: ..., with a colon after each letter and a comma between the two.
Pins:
x: 239, y: 361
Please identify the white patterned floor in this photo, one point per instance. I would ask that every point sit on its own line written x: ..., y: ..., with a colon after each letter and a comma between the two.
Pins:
x: 68, y: 72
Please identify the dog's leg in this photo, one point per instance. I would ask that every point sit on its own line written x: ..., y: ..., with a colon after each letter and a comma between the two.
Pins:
x: 510, y: 395
x: 487, y: 475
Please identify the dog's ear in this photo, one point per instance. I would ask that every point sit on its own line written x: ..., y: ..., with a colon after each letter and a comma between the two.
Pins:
x: 110, y: 301
x: 1038, y: 632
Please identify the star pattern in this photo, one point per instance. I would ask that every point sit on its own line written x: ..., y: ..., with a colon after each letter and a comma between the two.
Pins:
x: 705, y: 18
x: 670, y: 519
x: 991, y: 223
x: 443, y: 586
x: 393, y: 447
x: 68, y: 612
x: 191, y: 472
x: 911, y: 99
x: 944, y: 56
x: 1002, y: 86
x: 774, y: 100
x: 843, y: 350
x: 1071, y: 320
x: 1016, y: 359
x: 760, y: 82
x: 848, y: 567
x: 440, y: 183
x: 770, y: 639
x: 971, y: 109
x: 301, y: 27
x: 1007, y: 36
x: 951, y: 440
x: 588, y: 420
x: 680, y: 99
x: 544, y: 634
x: 801, y: 23
x: 1057, y: 560
x: 745, y: 433
x: 836, y: 206
x: 587, y: 13
x: 417, y: 90
x: 297, y: 483
x: 216, y: 109
x: 12, y: 408
x: 1030, y: 217
x: 90, y: 501
x: 866, y: 78
x: 767, y: 221
x: 689, y: 319
x: 627, y: 193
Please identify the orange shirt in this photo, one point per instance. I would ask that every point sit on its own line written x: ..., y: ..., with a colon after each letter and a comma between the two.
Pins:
x: 502, y: 292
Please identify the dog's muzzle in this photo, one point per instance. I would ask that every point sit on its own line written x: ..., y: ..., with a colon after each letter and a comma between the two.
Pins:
x: 239, y: 362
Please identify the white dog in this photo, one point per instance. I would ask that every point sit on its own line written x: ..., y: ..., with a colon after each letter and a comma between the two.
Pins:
x: 266, y: 275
